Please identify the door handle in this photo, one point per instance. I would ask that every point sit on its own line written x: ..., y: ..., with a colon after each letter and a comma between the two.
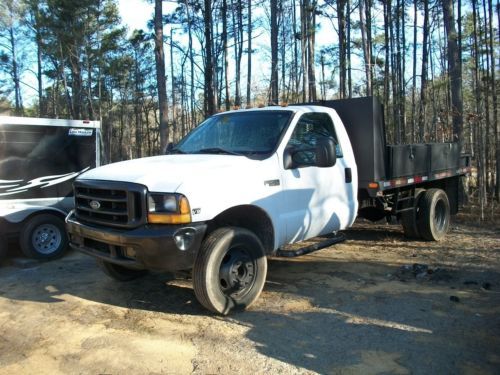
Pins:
x: 348, y: 175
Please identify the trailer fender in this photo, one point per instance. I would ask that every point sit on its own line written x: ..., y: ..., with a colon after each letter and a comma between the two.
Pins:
x: 16, y: 215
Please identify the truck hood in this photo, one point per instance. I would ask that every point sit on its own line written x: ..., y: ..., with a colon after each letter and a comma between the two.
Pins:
x: 166, y: 173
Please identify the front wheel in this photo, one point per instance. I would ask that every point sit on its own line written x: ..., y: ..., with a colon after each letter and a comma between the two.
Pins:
x: 230, y: 270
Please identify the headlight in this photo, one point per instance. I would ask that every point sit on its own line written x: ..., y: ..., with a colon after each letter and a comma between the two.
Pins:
x: 168, y: 209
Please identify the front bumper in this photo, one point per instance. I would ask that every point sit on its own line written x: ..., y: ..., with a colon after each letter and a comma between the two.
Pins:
x: 147, y: 247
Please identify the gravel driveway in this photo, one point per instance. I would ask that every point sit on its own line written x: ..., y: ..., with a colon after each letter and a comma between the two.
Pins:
x: 376, y: 304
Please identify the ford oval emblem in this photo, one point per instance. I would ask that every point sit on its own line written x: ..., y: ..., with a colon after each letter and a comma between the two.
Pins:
x: 95, y: 205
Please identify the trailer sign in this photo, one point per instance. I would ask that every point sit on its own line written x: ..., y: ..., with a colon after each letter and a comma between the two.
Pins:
x: 79, y: 132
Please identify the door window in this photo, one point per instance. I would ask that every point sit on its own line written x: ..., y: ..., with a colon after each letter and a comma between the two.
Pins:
x: 310, y: 127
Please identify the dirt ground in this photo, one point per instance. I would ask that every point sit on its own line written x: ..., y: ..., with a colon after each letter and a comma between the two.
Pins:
x: 360, y: 307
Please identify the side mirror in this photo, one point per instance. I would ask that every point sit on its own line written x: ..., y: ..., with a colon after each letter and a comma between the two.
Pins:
x: 323, y: 155
x: 288, y: 158
x: 169, y: 148
x: 326, y: 155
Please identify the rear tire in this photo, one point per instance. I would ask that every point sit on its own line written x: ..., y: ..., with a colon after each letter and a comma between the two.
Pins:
x: 230, y: 270
x: 409, y: 219
x: 43, y: 237
x: 120, y: 273
x: 434, y: 220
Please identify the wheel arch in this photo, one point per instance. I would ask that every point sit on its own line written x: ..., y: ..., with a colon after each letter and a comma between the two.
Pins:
x: 13, y: 222
x: 249, y: 217
x: 25, y: 214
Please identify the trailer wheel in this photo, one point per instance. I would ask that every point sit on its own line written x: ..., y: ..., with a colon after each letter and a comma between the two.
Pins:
x: 434, y: 219
x: 230, y: 270
x: 409, y: 219
x: 120, y: 273
x: 43, y: 237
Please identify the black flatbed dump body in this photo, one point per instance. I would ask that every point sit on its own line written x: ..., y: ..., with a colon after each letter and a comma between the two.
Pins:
x: 383, y: 167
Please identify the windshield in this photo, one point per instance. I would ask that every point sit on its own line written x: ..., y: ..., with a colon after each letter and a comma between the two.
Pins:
x: 239, y: 133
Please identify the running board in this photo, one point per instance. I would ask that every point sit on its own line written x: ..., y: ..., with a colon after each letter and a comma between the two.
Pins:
x: 311, y: 248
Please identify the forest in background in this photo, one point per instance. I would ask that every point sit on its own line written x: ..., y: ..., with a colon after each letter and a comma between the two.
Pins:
x: 434, y: 65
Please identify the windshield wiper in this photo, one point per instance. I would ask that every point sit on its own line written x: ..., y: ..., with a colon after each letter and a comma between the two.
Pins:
x: 218, y: 150
x: 176, y: 151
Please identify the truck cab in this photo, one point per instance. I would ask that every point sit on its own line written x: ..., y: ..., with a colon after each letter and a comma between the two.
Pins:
x: 237, y: 188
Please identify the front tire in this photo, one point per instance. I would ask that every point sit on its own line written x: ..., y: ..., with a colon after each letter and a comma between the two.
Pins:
x: 43, y: 237
x: 230, y: 270
x: 434, y: 219
x: 120, y: 273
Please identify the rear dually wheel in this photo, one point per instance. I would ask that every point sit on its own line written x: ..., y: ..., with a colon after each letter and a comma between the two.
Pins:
x: 434, y: 216
x: 410, y: 218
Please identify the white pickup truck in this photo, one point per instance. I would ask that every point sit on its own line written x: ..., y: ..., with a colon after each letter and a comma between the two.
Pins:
x: 245, y: 183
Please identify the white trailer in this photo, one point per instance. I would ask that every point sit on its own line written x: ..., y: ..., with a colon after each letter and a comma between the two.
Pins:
x: 39, y: 159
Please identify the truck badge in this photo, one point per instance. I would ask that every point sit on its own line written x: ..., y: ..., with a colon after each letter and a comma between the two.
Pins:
x: 95, y: 205
x: 272, y: 183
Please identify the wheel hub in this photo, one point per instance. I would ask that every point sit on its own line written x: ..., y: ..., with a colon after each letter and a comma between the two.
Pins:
x: 237, y: 272
x: 46, y: 238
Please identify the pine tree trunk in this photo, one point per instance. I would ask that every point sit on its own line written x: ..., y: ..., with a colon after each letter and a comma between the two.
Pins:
x: 137, y: 114
x: 402, y: 80
x: 249, y: 54
x: 394, y: 71
x: 496, y: 127
x: 224, y: 53
x: 210, y: 103
x: 455, y: 71
x: 487, y: 95
x: 423, y: 85
x: 342, y: 48
x: 366, y: 50
x: 303, y: 47
x: 14, y: 67
x: 295, y: 71
x: 311, y: 37
x: 414, y: 75
x: 477, y: 90
x: 387, y: 63
x: 348, y: 49
x: 368, y: 20
x: 191, y: 61
x: 238, y: 53
x: 274, y: 53
x: 175, y: 130
x: 283, y: 51
x: 39, y: 75
x: 160, y: 75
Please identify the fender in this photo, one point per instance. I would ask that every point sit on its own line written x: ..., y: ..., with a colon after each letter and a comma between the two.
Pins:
x: 16, y: 212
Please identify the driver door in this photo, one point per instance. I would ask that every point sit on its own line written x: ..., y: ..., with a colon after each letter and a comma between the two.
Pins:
x: 312, y: 195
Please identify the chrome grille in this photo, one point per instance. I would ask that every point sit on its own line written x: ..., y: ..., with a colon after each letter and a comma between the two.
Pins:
x: 108, y: 203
